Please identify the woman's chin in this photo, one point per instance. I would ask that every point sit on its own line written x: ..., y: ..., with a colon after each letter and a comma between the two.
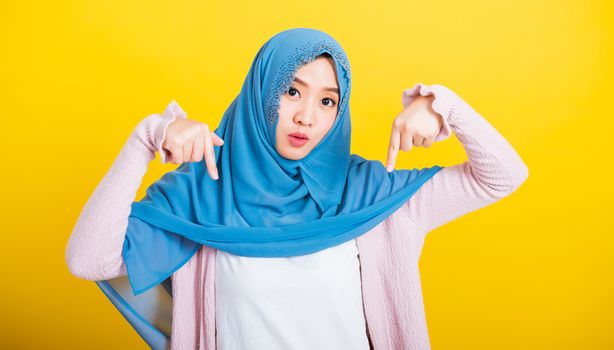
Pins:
x: 291, y: 153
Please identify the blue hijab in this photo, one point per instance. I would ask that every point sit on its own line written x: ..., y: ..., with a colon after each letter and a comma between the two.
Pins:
x: 265, y: 205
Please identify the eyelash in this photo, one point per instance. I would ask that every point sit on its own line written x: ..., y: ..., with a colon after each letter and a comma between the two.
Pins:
x: 327, y: 98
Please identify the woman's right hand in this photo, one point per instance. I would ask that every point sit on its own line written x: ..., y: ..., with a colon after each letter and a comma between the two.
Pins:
x: 189, y: 140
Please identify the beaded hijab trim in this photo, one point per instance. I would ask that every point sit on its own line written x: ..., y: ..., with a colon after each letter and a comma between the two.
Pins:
x: 285, y: 75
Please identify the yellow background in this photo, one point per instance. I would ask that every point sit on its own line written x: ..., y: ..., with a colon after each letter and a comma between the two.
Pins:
x: 532, y: 271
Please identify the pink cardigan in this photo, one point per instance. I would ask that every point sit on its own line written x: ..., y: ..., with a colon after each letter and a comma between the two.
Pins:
x: 388, y: 253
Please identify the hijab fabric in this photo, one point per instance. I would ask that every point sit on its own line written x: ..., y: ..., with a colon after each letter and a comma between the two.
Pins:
x: 265, y: 205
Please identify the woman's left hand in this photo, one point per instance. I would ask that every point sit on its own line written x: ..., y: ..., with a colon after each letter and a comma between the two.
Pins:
x: 417, y: 124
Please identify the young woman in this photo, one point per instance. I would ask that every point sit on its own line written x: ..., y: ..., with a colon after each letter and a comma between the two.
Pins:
x: 273, y: 235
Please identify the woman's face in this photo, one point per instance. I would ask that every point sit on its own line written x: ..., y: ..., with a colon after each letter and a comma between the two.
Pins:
x: 309, y: 107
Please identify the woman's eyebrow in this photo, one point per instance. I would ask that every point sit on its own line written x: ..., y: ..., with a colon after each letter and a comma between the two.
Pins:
x: 335, y: 90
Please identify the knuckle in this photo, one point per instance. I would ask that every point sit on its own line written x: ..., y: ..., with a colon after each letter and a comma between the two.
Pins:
x: 177, y: 140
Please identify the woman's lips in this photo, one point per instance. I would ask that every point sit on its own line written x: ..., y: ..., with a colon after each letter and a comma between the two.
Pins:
x: 297, y: 139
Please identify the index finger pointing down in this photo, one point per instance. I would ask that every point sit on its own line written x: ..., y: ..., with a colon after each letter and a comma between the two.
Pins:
x: 393, y: 149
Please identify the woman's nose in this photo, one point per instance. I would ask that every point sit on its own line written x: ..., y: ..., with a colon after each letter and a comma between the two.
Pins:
x: 304, y: 116
x: 304, y: 121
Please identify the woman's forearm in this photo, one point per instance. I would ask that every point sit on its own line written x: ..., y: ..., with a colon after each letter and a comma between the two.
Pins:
x: 94, y: 249
x: 493, y: 170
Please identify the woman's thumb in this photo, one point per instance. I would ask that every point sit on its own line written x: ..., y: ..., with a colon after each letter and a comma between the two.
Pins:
x: 216, y: 139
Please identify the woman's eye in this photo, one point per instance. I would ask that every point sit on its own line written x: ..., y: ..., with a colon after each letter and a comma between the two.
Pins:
x: 291, y: 90
x: 328, y: 99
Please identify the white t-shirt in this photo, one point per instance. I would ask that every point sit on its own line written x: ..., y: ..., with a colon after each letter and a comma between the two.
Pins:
x: 303, y: 302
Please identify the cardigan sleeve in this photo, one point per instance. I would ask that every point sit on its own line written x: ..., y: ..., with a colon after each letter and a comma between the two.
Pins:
x: 493, y: 169
x: 94, y: 249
